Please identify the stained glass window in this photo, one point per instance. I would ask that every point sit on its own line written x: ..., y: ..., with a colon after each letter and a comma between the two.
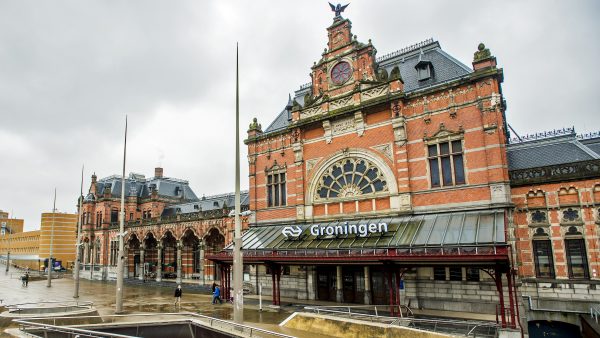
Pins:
x: 351, y: 177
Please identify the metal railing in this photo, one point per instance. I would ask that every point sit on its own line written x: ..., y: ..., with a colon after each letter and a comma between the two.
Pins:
x: 50, y: 324
x: 595, y: 312
x: 18, y: 308
x: 362, y: 310
x: 462, y: 327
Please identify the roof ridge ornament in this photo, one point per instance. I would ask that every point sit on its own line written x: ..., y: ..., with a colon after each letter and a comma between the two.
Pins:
x: 338, y: 9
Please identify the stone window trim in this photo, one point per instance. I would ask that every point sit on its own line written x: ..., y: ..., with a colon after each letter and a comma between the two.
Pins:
x: 542, y: 251
x: 367, y: 154
x: 570, y: 216
x: 577, y: 264
x: 535, y: 220
x: 435, y: 161
x: 351, y: 179
x: 331, y: 65
x: 276, y: 186
x: 541, y: 233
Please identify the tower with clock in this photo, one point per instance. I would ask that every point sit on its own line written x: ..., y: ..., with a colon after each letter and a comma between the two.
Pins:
x: 344, y: 63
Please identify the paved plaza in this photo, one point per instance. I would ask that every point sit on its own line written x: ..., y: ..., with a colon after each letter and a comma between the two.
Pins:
x: 138, y: 299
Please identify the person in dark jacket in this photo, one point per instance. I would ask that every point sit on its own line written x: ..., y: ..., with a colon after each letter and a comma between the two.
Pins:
x: 178, y: 296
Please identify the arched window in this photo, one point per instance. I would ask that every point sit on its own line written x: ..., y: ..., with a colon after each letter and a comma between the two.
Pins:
x: 351, y: 177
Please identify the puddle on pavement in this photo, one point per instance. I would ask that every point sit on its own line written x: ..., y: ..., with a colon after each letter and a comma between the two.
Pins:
x: 219, y: 312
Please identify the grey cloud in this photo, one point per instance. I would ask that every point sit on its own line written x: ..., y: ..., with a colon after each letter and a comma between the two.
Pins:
x: 71, y: 70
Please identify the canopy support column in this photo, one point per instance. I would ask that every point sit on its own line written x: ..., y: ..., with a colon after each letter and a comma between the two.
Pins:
x: 511, y: 300
x: 339, y: 292
x: 498, y: 277
x: 389, y: 274
x: 367, y: 297
x: 274, y: 285
x: 278, y: 270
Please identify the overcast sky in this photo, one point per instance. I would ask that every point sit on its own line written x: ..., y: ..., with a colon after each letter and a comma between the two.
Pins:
x: 71, y: 70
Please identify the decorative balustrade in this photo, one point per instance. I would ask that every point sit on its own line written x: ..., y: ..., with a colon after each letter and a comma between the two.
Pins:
x: 543, y: 135
x: 555, y: 173
x: 405, y: 50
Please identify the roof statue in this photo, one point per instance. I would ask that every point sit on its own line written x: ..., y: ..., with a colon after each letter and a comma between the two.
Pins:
x: 338, y: 9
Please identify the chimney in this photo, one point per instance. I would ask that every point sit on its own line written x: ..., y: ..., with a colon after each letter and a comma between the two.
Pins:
x: 158, y: 172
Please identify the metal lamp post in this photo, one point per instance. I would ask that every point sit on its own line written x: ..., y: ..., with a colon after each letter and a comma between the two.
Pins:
x: 51, y: 239
x: 78, y: 247
x: 6, y: 228
x: 238, y: 265
x: 120, y: 262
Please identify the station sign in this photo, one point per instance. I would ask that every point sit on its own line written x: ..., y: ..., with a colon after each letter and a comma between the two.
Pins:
x: 344, y: 229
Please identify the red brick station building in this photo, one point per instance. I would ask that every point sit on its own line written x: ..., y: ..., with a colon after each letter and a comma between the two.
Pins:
x: 385, y: 180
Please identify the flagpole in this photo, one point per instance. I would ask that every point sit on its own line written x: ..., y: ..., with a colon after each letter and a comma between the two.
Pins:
x: 238, y: 292
x: 78, y: 247
x: 50, y: 267
x: 120, y: 261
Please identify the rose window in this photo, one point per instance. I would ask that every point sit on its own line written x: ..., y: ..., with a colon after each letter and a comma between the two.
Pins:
x: 570, y: 215
x: 351, y: 177
x: 538, y: 217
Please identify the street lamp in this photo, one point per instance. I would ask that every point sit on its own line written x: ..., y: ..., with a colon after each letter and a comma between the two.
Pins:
x: 78, y: 245
x: 5, y: 228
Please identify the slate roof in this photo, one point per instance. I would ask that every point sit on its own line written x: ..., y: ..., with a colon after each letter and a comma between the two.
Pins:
x: 207, y: 203
x: 551, y: 151
x: 445, y: 68
x: 138, y: 185
x: 593, y: 144
x: 283, y: 118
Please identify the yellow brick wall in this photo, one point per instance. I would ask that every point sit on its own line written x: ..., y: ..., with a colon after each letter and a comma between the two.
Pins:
x: 65, y: 237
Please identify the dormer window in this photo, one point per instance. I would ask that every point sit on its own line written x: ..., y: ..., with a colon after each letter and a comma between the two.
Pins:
x: 215, y: 204
x: 424, y: 72
x: 424, y: 68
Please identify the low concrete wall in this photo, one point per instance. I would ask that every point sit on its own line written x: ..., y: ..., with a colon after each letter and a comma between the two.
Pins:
x: 347, y: 328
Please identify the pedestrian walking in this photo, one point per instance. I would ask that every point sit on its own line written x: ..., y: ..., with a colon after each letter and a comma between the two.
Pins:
x: 23, y: 280
x: 178, y: 296
x: 217, y: 295
x: 26, y: 279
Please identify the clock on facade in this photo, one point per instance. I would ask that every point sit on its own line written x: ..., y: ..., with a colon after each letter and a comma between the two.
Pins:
x: 341, y: 73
